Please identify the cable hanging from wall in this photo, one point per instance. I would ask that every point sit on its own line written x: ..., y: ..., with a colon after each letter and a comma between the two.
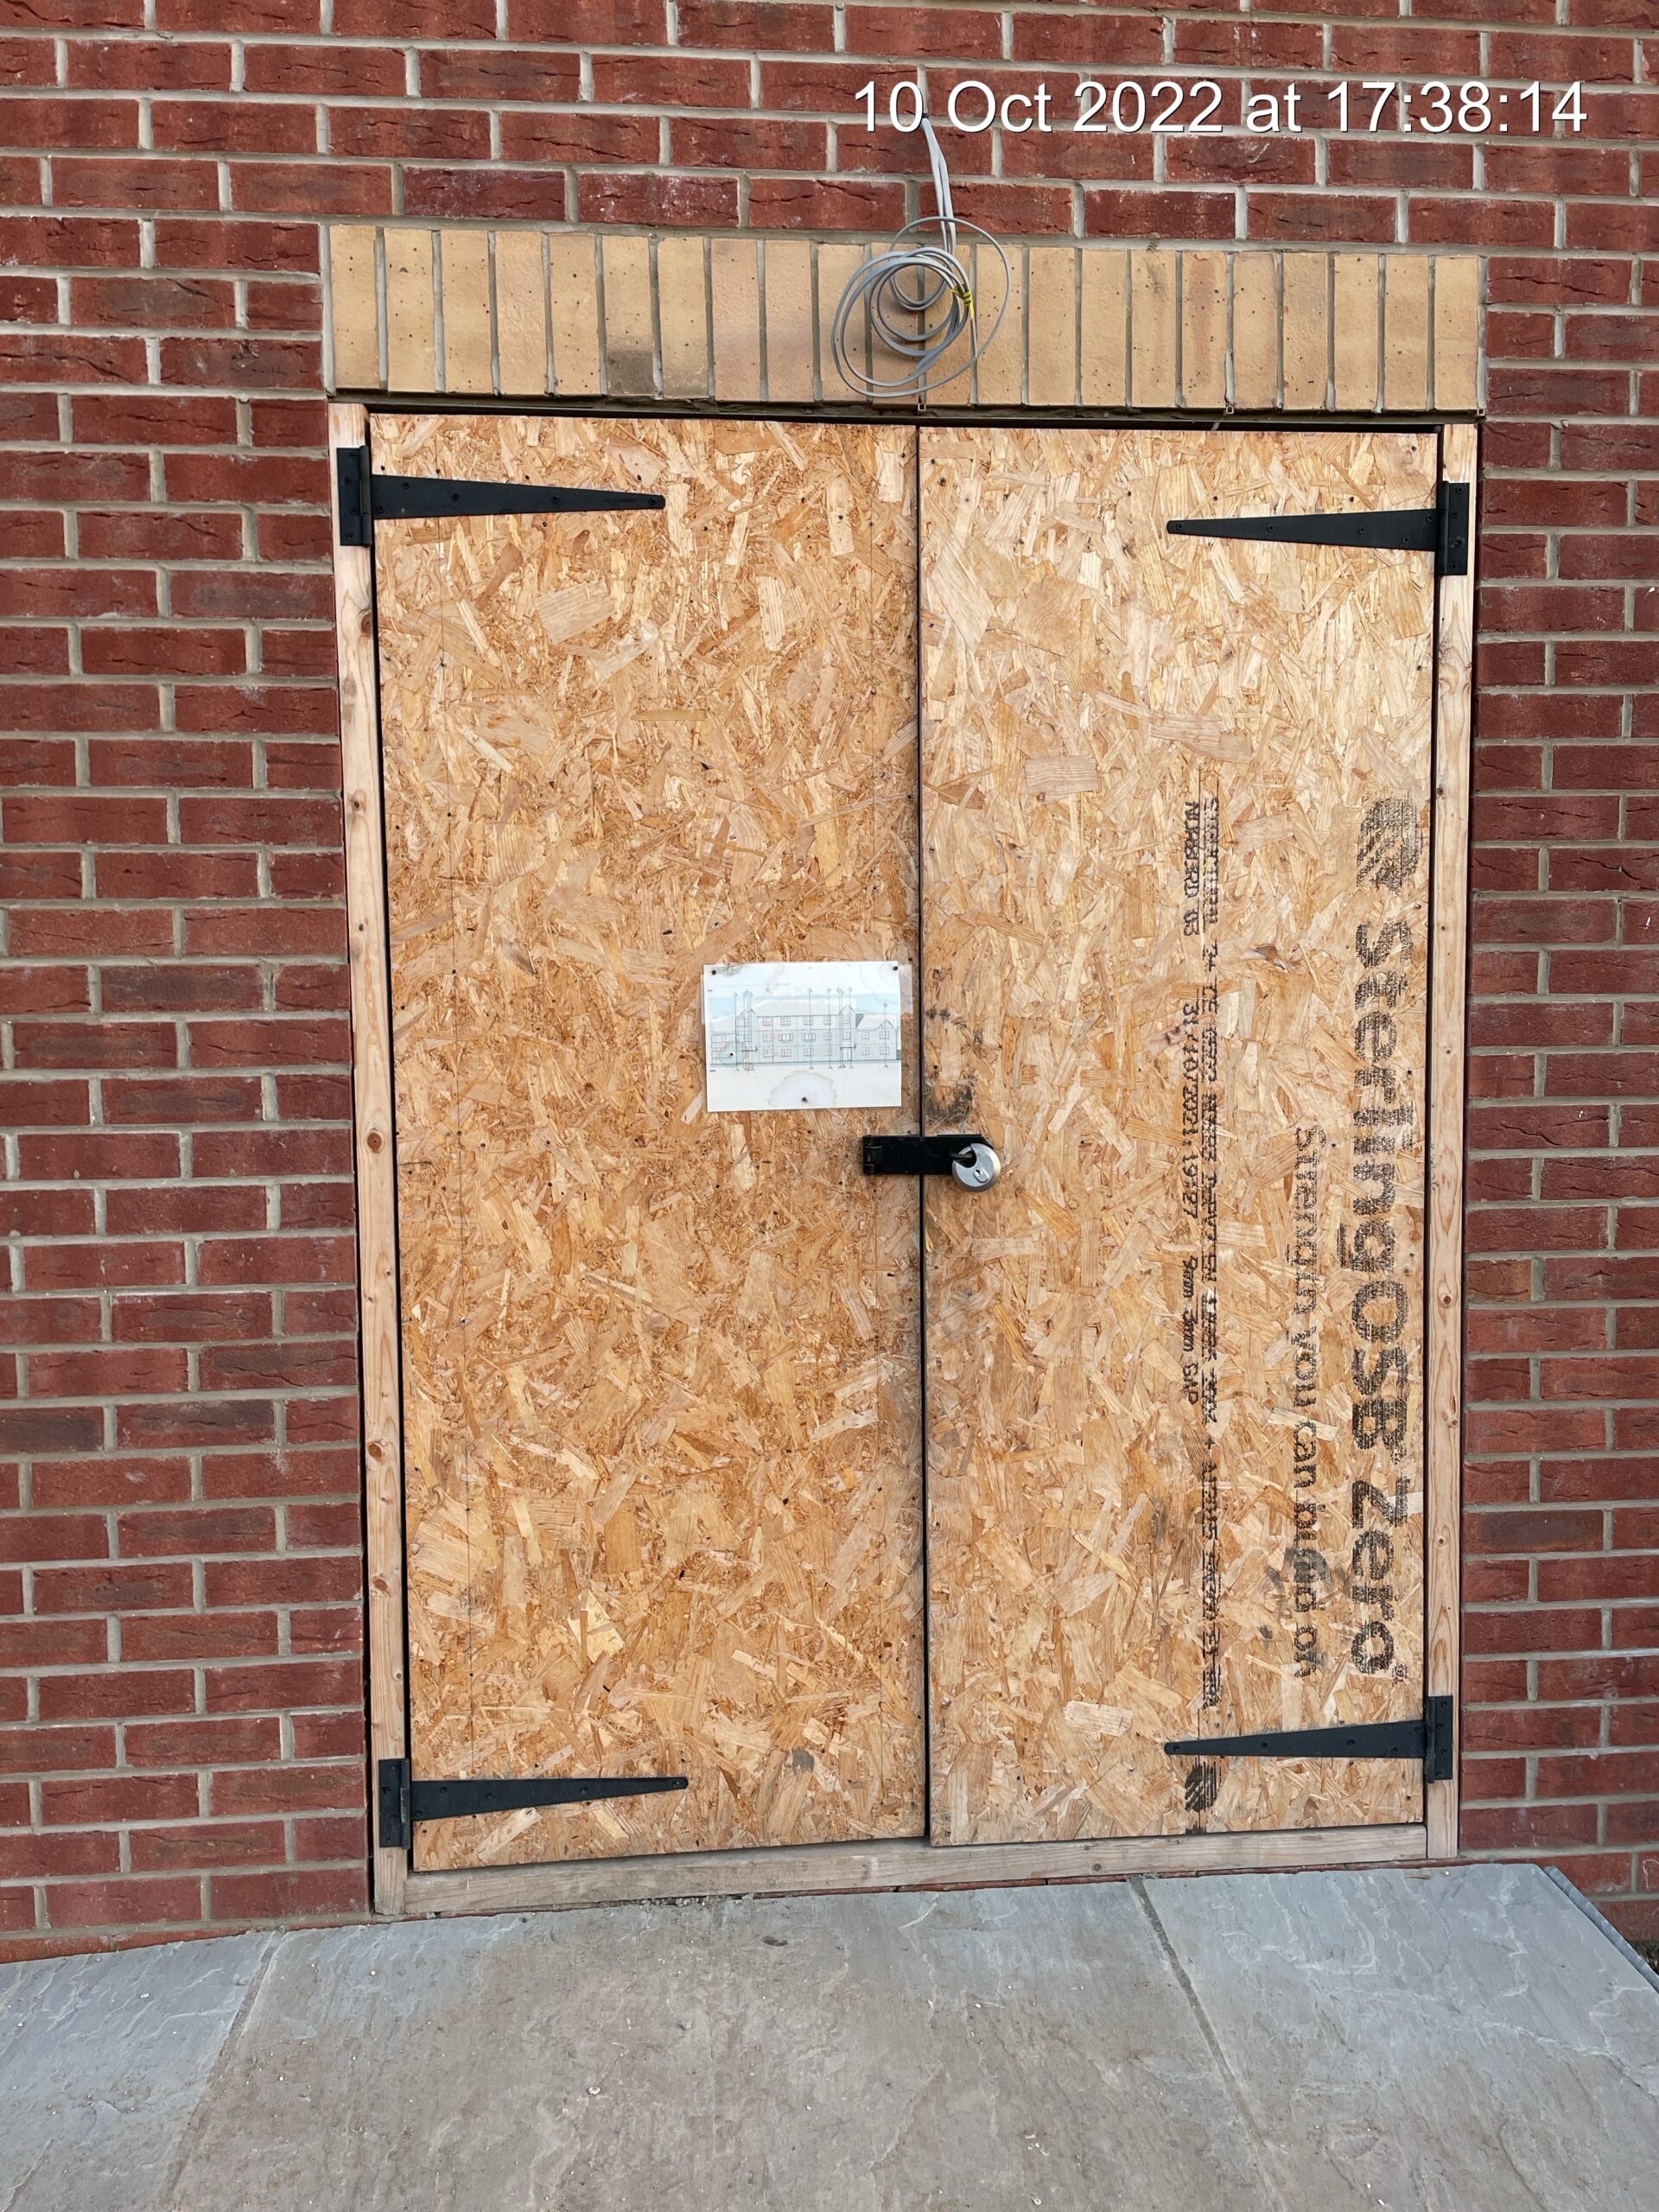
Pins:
x: 918, y: 299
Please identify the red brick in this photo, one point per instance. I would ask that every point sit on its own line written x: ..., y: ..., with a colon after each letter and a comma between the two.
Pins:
x: 333, y: 1628
x: 281, y: 1581
x: 311, y: 1472
x: 1132, y: 214
x: 107, y: 1154
x: 1619, y: 1773
x: 312, y: 1205
x: 1526, y: 1828
x: 299, y: 1892
x: 219, y: 1843
x: 172, y: 874
x: 1122, y: 41
x: 147, y: 65
x: 135, y: 181
x: 30, y: 1858
x: 423, y: 133
x: 340, y: 1734
x: 1533, y: 1531
x: 46, y: 1104
x: 190, y: 1317
x: 282, y: 1683
x: 1616, y: 1075
x: 261, y: 363
x: 667, y: 81
x: 333, y: 1837
x: 1623, y: 1177
x: 499, y: 73
x: 195, y: 1529
x: 87, y: 1695
x: 695, y: 142
x: 1497, y: 1581
x: 263, y: 709
x: 46, y: 1213
x: 286, y: 1789
x: 200, y: 1635
x: 182, y: 242
x: 158, y: 1423
x: 36, y: 1642
x: 125, y: 1903
x: 411, y: 19
x: 42, y: 1750
x: 65, y: 1485
x: 124, y: 1586
x: 106, y: 1372
x: 54, y: 1535
x: 676, y: 200
x: 57, y: 125
x: 777, y: 25
x: 1604, y: 1676
x: 166, y: 1100
x: 316, y: 1419
x: 108, y: 1799
x: 192, y: 1210
x: 1607, y: 1579
x: 354, y: 71
x: 256, y: 1740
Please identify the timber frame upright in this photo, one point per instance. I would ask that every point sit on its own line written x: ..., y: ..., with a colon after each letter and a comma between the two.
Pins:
x: 520, y: 320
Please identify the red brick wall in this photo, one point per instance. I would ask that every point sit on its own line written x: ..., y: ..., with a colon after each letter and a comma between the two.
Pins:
x: 180, y: 1664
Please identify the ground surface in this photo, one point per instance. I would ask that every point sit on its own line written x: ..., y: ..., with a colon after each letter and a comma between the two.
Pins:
x: 1463, y: 2041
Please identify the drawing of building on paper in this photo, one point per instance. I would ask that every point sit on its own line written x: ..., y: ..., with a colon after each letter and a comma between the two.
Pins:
x: 783, y: 1035
x: 821, y: 1030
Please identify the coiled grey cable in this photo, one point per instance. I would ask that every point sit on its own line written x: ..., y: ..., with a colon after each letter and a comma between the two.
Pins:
x: 919, y: 299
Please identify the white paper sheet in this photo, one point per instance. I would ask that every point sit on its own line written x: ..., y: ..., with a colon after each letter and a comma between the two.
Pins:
x: 781, y: 1036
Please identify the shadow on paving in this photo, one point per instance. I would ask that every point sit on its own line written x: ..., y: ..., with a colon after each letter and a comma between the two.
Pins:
x: 1465, y: 2040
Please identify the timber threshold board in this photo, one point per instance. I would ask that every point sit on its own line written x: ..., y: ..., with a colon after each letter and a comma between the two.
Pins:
x: 909, y: 1863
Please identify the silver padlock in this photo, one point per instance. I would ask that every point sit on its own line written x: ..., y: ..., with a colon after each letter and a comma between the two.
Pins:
x: 977, y: 1166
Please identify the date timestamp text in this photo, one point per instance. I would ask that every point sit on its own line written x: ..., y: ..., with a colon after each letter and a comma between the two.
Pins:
x: 1191, y: 107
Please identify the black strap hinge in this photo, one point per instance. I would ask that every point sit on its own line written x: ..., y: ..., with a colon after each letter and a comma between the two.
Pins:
x: 1452, y: 549
x: 391, y: 1792
x: 1442, y: 529
x: 1429, y: 1737
x: 352, y: 477
x: 405, y: 1801
x: 367, y: 497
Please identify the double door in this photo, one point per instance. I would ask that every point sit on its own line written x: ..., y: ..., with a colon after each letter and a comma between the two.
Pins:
x: 871, y: 1506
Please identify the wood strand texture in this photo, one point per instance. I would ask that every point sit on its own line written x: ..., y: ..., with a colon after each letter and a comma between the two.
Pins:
x: 661, y: 1368
x: 1175, y: 818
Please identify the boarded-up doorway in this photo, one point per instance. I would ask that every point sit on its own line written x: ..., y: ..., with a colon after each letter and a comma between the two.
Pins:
x: 1149, y: 818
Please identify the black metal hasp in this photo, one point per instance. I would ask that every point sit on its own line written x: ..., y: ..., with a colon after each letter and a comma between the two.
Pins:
x: 404, y: 1800
x: 1442, y: 529
x: 367, y: 497
x: 915, y: 1155
x: 1428, y: 1737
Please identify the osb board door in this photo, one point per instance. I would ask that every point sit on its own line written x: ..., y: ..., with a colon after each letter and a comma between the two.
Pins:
x: 1175, y: 825
x: 660, y: 1367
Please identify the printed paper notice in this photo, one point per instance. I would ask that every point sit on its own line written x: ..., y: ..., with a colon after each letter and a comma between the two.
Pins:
x: 780, y: 1035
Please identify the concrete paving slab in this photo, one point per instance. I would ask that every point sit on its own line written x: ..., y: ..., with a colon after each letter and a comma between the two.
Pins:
x: 895, y: 2053
x: 1444, y: 2040
x: 1465, y: 2040
x: 102, y: 2062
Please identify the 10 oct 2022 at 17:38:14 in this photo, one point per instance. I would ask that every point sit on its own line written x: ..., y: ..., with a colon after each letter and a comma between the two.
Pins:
x: 1195, y: 107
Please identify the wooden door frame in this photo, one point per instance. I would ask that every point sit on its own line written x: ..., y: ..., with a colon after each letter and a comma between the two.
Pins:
x: 908, y: 1863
